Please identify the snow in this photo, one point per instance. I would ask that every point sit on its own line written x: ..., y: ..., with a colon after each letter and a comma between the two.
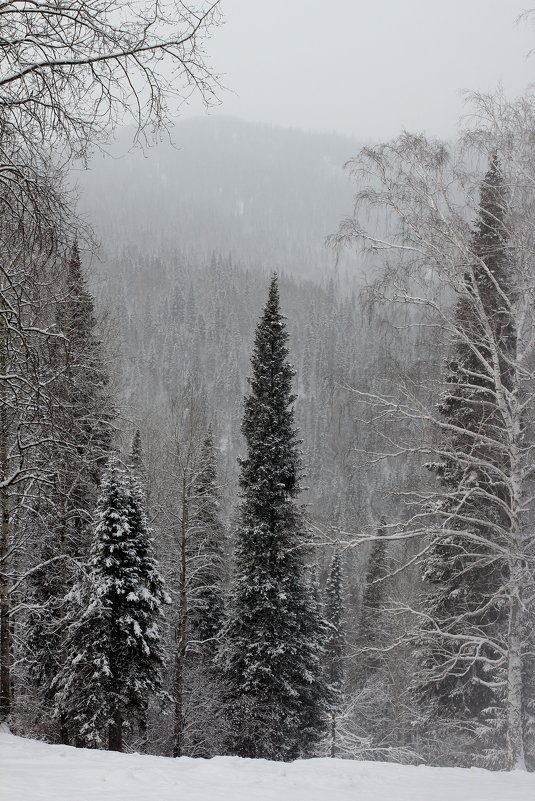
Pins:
x: 34, y: 771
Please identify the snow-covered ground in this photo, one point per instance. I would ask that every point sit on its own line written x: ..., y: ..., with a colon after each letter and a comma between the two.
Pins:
x: 34, y: 771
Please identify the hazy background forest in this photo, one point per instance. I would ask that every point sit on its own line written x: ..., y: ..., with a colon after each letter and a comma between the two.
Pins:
x: 188, y: 240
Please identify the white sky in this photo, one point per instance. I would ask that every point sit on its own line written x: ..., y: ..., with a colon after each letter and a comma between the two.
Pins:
x: 368, y: 67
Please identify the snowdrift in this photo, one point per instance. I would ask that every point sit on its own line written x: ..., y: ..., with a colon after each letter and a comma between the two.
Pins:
x: 34, y: 771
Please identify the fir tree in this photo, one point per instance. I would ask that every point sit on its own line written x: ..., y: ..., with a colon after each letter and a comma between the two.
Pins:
x: 82, y: 419
x: 87, y: 408
x: 114, y: 653
x: 335, y: 643
x: 369, y: 631
x: 372, y: 714
x: 464, y: 603
x: 137, y: 475
x: 206, y: 557
x: 334, y: 616
x: 136, y: 463
x: 205, y: 586
x: 272, y: 657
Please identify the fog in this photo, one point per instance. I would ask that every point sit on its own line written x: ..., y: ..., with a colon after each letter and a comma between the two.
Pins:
x: 367, y: 68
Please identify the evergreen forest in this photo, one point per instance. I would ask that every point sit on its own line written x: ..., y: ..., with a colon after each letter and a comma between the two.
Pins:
x: 267, y: 424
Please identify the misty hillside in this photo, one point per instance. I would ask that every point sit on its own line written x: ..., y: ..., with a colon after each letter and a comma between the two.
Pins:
x: 189, y: 237
x: 258, y: 193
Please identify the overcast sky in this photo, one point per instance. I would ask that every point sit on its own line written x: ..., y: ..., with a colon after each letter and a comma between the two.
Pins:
x: 368, y: 67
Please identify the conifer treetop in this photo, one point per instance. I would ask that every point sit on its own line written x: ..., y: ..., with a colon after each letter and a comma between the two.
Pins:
x: 273, y: 460
x: 273, y: 641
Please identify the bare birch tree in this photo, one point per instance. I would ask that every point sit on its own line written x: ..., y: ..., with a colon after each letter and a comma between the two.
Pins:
x: 188, y: 518
x: 30, y: 247
x: 425, y: 199
x: 70, y: 70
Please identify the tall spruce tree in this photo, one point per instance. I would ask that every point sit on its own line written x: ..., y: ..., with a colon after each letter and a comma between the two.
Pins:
x: 114, y: 655
x: 334, y: 610
x: 206, y: 557
x: 138, y: 483
x: 369, y: 639
x: 87, y: 410
x: 206, y: 572
x: 371, y: 723
x: 468, y: 617
x: 82, y: 418
x: 335, y: 643
x: 135, y: 461
x: 272, y: 657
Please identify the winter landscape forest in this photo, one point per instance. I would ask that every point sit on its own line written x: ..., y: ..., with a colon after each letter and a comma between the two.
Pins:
x: 267, y: 427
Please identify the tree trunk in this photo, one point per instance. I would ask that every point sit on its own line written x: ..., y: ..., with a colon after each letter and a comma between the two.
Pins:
x: 144, y: 729
x: 515, y: 733
x: 333, y: 734
x: 115, y: 732
x: 517, y: 572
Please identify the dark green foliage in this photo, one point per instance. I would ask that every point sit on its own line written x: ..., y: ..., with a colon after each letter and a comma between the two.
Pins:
x: 334, y: 646
x: 369, y: 636
x: 113, y: 648
x: 462, y: 569
x: 206, y: 570
x: 272, y: 656
x: 334, y: 615
x: 206, y: 557
x: 81, y: 420
x: 87, y: 409
x: 136, y: 455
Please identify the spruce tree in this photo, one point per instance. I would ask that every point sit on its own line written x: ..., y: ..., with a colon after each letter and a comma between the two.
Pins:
x: 335, y: 643
x: 467, y: 613
x: 205, y: 588
x: 369, y: 659
x: 114, y: 656
x: 82, y: 417
x: 376, y: 715
x: 272, y: 656
x: 138, y: 483
x: 334, y: 616
x: 206, y: 557
x: 136, y: 463
x: 87, y: 410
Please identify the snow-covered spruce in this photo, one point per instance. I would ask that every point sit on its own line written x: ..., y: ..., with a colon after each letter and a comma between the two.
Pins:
x: 335, y: 650
x: 78, y: 451
x: 113, y: 648
x: 206, y: 555
x: 199, y: 722
x: 370, y: 637
x: 272, y: 655
x: 468, y: 646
